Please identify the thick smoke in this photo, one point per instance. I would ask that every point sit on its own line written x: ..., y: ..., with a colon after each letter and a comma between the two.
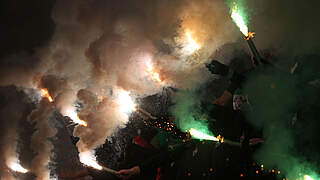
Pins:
x: 12, y: 108
x: 103, y: 119
x: 100, y: 47
x: 283, y: 106
x: 103, y: 46
x: 187, y: 112
x: 8, y: 153
x: 40, y: 142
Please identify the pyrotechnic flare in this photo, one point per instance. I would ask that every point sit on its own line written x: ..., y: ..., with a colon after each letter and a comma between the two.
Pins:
x: 89, y: 159
x: 192, y: 45
x: 203, y: 136
x: 240, y: 22
x: 126, y: 103
x: 307, y: 177
x: 200, y: 135
x: 14, y: 165
x: 75, y: 118
x: 45, y: 93
x: 153, y: 74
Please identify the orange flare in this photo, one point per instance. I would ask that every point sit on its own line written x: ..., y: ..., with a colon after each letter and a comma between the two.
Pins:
x: 45, y: 93
x: 75, y: 118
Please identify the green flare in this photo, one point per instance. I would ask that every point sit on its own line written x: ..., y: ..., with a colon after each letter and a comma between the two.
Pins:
x: 200, y: 135
x: 239, y: 17
x: 307, y: 177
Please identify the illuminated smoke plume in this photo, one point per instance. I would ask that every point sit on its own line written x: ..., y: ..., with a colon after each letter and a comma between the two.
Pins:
x: 102, y: 47
x: 40, y: 142
x: 8, y: 153
x: 13, y: 108
x: 102, y: 117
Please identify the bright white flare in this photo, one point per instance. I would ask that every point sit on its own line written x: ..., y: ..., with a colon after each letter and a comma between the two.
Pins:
x: 200, y: 135
x: 238, y: 19
x: 153, y: 74
x: 125, y: 102
x: 15, y: 166
x: 192, y: 45
x: 75, y: 118
x: 307, y: 177
x: 88, y: 158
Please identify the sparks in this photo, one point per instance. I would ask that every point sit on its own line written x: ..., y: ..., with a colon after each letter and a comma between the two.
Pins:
x: 153, y: 74
x: 15, y: 166
x: 45, y: 93
x: 125, y: 102
x: 75, y: 118
x: 200, y: 135
x: 238, y: 19
x: 89, y: 159
x: 192, y: 44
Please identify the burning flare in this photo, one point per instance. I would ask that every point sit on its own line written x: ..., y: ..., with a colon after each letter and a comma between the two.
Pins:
x: 75, y: 118
x: 14, y: 165
x: 153, y: 74
x: 89, y: 159
x: 45, y: 93
x: 238, y: 19
x: 307, y: 177
x: 125, y: 102
x: 200, y: 135
x: 192, y: 44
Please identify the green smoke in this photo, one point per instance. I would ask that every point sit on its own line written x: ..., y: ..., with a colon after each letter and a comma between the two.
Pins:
x: 187, y: 112
x: 286, y: 107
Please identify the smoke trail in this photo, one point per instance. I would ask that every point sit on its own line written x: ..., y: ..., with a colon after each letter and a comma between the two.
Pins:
x: 8, y: 152
x: 40, y: 139
x: 13, y: 108
x: 103, y: 119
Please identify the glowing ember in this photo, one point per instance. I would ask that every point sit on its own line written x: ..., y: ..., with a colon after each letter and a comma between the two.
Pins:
x: 200, y: 135
x: 153, y: 74
x: 192, y: 44
x: 75, y: 118
x: 125, y: 102
x: 15, y: 166
x: 238, y: 19
x: 45, y: 93
x: 89, y: 159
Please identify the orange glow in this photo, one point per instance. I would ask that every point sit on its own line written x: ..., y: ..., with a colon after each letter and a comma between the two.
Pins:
x: 241, y: 175
x: 45, y: 93
x: 153, y: 74
x: 75, y: 118
x: 250, y: 35
x: 220, y: 138
x: 192, y: 44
